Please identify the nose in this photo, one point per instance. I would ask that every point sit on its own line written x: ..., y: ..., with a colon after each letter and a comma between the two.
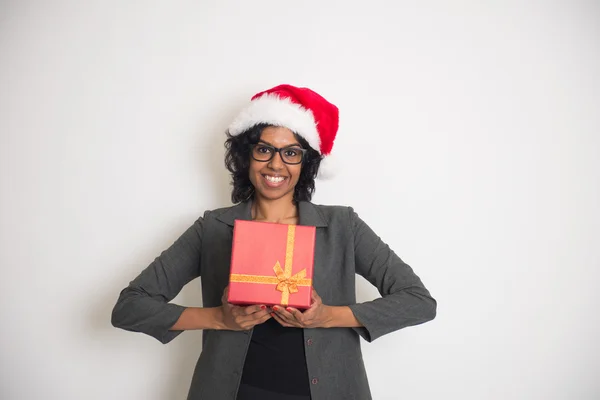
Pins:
x: 276, y: 162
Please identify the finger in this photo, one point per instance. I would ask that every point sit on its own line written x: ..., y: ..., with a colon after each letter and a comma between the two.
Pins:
x: 254, y: 309
x: 286, y: 316
x: 258, y: 315
x: 281, y: 321
x: 314, y: 305
x: 282, y: 312
x: 250, y: 321
x: 296, y: 314
x: 314, y: 302
x: 309, y: 315
x: 237, y: 311
x: 244, y: 321
x: 225, y: 294
x: 315, y: 296
x: 263, y: 319
x: 241, y: 317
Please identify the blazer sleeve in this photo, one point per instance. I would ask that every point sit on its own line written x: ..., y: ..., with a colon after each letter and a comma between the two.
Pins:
x: 144, y: 306
x: 405, y: 301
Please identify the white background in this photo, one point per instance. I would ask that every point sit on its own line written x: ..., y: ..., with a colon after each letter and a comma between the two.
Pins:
x: 469, y: 141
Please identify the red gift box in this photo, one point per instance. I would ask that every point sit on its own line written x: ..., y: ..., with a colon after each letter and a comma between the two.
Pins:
x: 271, y: 264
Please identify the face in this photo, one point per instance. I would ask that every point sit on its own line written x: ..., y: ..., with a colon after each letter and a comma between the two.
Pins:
x: 275, y: 179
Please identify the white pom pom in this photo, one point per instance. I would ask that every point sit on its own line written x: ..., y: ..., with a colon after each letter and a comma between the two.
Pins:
x: 327, y: 169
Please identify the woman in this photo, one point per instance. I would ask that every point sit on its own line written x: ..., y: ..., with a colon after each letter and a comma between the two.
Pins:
x: 274, y: 152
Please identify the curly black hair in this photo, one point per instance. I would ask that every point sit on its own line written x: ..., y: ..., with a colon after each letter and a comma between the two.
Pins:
x: 237, y: 161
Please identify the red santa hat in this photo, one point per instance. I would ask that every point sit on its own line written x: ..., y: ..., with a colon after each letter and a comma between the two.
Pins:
x: 301, y: 110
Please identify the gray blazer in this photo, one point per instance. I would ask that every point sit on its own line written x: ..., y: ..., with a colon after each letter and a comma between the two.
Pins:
x: 345, y: 245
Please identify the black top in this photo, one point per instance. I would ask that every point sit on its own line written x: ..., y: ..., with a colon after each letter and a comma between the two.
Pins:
x: 275, y: 360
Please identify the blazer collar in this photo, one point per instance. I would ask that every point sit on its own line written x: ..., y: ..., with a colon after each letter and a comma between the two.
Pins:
x: 309, y: 214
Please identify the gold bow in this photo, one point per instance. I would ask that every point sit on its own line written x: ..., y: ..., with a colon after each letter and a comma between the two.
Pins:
x: 288, y: 284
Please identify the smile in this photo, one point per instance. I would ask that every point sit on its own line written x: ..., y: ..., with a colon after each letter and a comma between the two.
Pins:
x: 274, y: 181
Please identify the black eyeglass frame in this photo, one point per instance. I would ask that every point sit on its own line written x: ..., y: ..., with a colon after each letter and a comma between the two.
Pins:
x: 278, y: 150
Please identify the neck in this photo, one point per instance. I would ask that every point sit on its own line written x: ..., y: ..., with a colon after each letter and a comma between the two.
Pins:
x: 278, y: 211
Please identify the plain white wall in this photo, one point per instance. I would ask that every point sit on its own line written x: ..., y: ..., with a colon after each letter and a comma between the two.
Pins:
x: 469, y: 141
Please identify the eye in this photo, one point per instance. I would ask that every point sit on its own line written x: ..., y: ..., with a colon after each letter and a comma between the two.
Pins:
x: 263, y: 149
x: 292, y: 152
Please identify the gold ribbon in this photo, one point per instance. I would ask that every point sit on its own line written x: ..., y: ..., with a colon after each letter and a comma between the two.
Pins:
x: 285, y: 281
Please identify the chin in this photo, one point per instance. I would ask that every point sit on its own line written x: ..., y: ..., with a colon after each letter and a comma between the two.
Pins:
x: 270, y: 195
x: 274, y: 194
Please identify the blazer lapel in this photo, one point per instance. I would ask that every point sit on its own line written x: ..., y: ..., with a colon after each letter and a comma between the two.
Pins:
x: 239, y: 211
x: 310, y: 215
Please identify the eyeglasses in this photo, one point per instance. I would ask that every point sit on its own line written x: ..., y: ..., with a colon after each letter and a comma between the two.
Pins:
x: 290, y: 155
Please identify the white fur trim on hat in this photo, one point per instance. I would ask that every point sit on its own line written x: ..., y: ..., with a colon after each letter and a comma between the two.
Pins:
x: 328, y: 168
x: 274, y: 110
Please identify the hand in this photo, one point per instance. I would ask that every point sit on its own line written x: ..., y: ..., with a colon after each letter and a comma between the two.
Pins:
x: 317, y: 316
x: 237, y: 318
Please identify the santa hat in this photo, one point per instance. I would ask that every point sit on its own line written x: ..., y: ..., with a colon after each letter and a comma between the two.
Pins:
x: 301, y: 110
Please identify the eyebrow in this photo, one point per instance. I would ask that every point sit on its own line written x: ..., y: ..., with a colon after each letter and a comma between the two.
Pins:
x: 284, y: 147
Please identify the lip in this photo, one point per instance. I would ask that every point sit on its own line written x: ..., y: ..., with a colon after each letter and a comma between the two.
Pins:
x: 274, y: 185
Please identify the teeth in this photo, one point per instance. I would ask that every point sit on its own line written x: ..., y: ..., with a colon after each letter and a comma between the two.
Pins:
x: 274, y: 179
